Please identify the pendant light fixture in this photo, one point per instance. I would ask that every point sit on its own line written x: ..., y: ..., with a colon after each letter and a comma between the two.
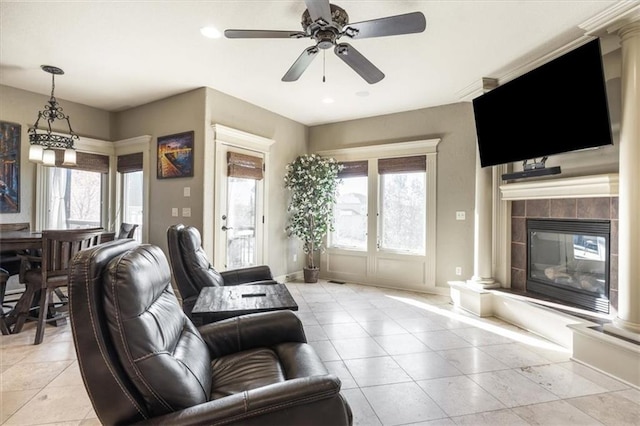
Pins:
x: 44, y: 141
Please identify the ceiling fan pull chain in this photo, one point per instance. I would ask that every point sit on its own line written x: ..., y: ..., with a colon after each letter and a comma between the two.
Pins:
x: 324, y: 56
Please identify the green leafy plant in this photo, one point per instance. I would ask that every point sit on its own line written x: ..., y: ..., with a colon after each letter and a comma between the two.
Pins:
x: 313, y: 181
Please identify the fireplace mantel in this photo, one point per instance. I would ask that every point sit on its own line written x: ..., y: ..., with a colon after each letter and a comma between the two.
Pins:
x: 605, y: 185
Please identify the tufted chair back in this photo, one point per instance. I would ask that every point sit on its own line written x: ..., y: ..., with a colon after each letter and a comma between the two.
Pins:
x: 149, y: 346
x: 191, y: 267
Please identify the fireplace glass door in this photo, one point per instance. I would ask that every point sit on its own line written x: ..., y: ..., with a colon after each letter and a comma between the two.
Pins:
x: 568, y: 261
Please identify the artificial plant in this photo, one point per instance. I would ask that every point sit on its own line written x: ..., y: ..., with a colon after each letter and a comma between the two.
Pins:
x: 313, y: 181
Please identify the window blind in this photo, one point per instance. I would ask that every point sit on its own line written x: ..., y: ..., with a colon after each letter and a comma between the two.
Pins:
x: 130, y: 163
x: 244, y: 166
x: 85, y: 161
x: 417, y: 163
x: 354, y: 169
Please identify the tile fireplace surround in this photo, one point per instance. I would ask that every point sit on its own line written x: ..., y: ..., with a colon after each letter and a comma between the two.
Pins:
x: 590, y: 342
x: 561, y: 208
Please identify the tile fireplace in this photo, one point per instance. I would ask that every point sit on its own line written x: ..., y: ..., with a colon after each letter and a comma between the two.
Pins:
x: 565, y: 250
x: 568, y: 261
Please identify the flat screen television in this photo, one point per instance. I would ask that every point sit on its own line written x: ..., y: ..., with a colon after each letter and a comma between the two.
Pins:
x: 558, y: 107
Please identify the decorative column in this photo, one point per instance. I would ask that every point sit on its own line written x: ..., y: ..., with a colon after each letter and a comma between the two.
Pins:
x: 473, y: 295
x: 483, y: 229
x: 628, y: 321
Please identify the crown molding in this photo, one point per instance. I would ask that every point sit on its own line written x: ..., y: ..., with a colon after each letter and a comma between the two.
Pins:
x: 607, y: 22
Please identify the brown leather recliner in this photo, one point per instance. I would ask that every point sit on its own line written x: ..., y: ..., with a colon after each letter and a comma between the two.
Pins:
x: 192, y: 270
x: 143, y: 361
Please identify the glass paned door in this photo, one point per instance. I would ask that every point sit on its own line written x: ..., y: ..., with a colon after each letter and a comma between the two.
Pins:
x: 239, y: 215
x: 241, y: 222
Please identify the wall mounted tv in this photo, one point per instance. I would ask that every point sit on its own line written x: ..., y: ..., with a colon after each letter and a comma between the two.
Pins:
x: 558, y: 107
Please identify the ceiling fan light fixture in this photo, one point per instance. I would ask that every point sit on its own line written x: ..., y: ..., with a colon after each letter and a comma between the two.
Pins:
x: 210, y: 32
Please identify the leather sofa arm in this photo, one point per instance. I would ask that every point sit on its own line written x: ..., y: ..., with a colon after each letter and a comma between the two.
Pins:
x: 285, y: 403
x: 247, y: 275
x: 252, y: 331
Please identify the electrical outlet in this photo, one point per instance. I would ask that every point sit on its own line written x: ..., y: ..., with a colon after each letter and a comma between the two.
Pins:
x: 460, y: 215
x: 458, y: 270
x: 186, y: 212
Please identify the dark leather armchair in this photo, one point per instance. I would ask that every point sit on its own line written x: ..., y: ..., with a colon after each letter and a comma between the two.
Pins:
x: 143, y: 360
x: 192, y: 270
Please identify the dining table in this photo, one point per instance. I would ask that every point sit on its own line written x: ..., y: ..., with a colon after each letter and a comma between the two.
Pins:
x: 29, y: 242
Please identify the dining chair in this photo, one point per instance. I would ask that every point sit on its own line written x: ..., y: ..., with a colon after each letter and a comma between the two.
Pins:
x: 58, y: 249
x: 9, y: 260
x: 4, y: 277
x: 127, y: 230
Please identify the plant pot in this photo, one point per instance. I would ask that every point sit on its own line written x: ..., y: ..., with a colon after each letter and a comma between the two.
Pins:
x: 311, y: 275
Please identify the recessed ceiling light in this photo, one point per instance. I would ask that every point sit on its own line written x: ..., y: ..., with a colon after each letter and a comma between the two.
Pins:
x: 210, y: 32
x: 362, y: 94
x: 328, y: 100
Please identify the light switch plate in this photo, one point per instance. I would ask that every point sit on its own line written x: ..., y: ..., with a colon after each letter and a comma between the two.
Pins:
x: 186, y: 212
x: 187, y: 191
x: 174, y: 211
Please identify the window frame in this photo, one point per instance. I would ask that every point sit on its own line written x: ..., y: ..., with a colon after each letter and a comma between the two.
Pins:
x: 112, y: 191
x: 337, y: 262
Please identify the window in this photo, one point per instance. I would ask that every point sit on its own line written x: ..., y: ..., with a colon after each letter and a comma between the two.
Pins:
x: 74, y: 199
x: 403, y: 212
x: 130, y: 167
x: 350, y: 210
x: 132, y: 200
x: 402, y: 202
x: 385, y: 216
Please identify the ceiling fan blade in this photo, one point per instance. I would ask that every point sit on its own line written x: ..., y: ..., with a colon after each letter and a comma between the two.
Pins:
x: 358, y: 63
x: 263, y: 34
x: 319, y: 9
x: 301, y: 64
x: 408, y: 23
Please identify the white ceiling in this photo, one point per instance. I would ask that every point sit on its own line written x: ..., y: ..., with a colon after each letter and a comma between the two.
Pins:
x: 117, y: 55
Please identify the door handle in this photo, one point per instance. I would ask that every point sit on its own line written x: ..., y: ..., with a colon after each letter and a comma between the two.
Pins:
x: 225, y: 227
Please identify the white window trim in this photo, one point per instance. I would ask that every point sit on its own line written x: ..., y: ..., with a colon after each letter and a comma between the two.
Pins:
x: 84, y: 144
x: 234, y: 138
x: 426, y: 147
x: 131, y: 146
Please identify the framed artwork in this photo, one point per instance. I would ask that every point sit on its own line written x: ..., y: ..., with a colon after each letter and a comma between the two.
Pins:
x: 175, y: 155
x: 9, y: 167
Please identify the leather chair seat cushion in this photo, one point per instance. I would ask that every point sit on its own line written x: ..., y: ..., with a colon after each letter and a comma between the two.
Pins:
x: 244, y: 371
x: 254, y: 368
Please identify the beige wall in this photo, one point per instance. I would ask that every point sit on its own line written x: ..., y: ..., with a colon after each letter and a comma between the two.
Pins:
x: 197, y: 110
x: 290, y: 141
x: 172, y: 115
x: 456, y: 169
x: 21, y: 107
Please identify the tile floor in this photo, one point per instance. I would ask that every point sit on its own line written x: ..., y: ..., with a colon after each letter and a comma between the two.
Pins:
x: 403, y: 358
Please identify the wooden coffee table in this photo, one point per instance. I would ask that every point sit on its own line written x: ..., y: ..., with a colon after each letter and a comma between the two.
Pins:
x: 218, y: 303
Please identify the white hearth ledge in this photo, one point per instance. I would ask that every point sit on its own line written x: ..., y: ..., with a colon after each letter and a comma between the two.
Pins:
x: 585, y: 340
x: 605, y: 185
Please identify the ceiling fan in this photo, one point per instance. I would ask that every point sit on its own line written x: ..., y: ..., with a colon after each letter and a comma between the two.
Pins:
x: 326, y: 24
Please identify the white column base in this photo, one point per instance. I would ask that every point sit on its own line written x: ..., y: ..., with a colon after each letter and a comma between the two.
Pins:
x: 606, y: 353
x: 472, y: 298
x: 482, y: 283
